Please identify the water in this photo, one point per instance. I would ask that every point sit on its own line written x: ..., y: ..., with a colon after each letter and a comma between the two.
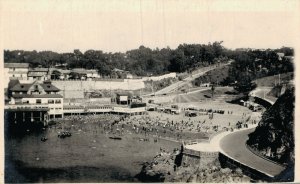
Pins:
x: 87, y: 156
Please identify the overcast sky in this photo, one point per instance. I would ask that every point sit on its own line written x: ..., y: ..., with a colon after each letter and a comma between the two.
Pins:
x: 122, y: 25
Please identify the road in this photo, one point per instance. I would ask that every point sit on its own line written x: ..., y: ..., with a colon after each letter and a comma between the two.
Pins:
x: 214, y: 144
x: 233, y: 145
x: 261, y: 92
x: 188, y: 79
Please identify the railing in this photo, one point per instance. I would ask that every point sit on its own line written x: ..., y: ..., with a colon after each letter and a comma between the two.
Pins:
x: 26, y: 106
x: 91, y: 79
x: 262, y: 156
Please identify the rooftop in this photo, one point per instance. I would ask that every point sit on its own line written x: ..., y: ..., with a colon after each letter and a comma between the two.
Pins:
x: 49, y: 87
x: 38, y: 70
x: 16, y: 86
x: 124, y: 93
x: 16, y: 65
x: 118, y: 70
x: 37, y: 96
x: 21, y: 87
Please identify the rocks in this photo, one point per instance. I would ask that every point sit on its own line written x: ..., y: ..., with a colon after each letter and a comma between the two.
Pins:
x: 274, y: 136
x: 162, y: 169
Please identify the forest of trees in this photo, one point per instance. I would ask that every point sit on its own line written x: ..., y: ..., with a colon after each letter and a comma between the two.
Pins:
x: 248, y: 64
x: 253, y: 64
x: 142, y: 61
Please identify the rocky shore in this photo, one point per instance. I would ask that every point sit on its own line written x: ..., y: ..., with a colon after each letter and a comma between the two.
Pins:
x: 168, y: 167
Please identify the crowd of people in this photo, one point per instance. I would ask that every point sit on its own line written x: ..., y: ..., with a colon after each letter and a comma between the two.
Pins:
x: 149, y: 125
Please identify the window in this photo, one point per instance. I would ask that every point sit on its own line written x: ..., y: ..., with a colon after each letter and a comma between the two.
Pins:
x: 38, y: 101
x: 50, y: 101
x: 58, y: 101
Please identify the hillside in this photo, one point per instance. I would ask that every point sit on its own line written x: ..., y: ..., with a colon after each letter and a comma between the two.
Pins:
x: 270, y: 80
x: 274, y: 136
x: 216, y: 76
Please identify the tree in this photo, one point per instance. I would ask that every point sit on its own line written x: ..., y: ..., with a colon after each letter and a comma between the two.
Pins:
x: 74, y: 75
x: 212, y: 90
x: 244, y: 84
x: 55, y: 74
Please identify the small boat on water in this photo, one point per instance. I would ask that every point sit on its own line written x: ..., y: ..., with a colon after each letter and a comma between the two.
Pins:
x: 115, y: 137
x: 44, y: 139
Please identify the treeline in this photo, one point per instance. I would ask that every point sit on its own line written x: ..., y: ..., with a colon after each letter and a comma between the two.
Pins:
x: 142, y: 61
x: 248, y: 65
x: 253, y: 64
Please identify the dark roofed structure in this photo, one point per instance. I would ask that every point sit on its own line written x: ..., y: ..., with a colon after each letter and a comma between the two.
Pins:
x: 21, y: 87
x: 125, y: 93
x: 49, y: 87
x: 24, y: 87
x: 12, y: 83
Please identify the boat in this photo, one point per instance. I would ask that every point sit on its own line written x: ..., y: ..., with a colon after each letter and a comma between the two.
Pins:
x: 115, y: 137
x: 44, y: 139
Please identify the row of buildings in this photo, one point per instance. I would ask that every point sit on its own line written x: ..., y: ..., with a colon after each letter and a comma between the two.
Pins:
x: 32, y: 97
x: 22, y: 71
x: 41, y: 101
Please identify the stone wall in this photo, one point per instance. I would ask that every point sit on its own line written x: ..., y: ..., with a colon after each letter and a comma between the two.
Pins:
x: 193, y: 157
x: 157, y: 78
x: 77, y: 85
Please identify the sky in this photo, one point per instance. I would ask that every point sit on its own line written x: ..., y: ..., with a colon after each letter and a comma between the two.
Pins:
x: 114, y: 26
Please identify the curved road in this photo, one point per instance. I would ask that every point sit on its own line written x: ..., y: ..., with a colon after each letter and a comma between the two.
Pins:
x: 233, y: 146
x: 261, y: 92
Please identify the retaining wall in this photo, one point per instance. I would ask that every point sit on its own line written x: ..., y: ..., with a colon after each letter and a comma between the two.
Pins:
x: 198, y: 157
x: 77, y: 85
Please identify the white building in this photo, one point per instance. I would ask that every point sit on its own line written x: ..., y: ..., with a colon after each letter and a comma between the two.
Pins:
x: 35, y: 96
x: 92, y: 74
x: 38, y: 74
x: 15, y: 71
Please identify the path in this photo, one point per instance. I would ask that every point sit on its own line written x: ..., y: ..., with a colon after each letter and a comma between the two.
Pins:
x: 188, y: 79
x: 261, y: 92
x: 233, y: 146
x: 214, y: 144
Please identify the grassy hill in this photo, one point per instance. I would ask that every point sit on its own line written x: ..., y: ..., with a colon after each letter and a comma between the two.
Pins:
x: 221, y: 94
x: 214, y: 76
x: 270, y: 80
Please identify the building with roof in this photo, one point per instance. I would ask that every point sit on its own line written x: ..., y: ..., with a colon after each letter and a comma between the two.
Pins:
x: 123, y: 74
x: 35, y: 97
x: 14, y: 71
x: 124, y: 98
x: 38, y: 74
x: 92, y: 74
x: 62, y: 73
x: 86, y: 74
